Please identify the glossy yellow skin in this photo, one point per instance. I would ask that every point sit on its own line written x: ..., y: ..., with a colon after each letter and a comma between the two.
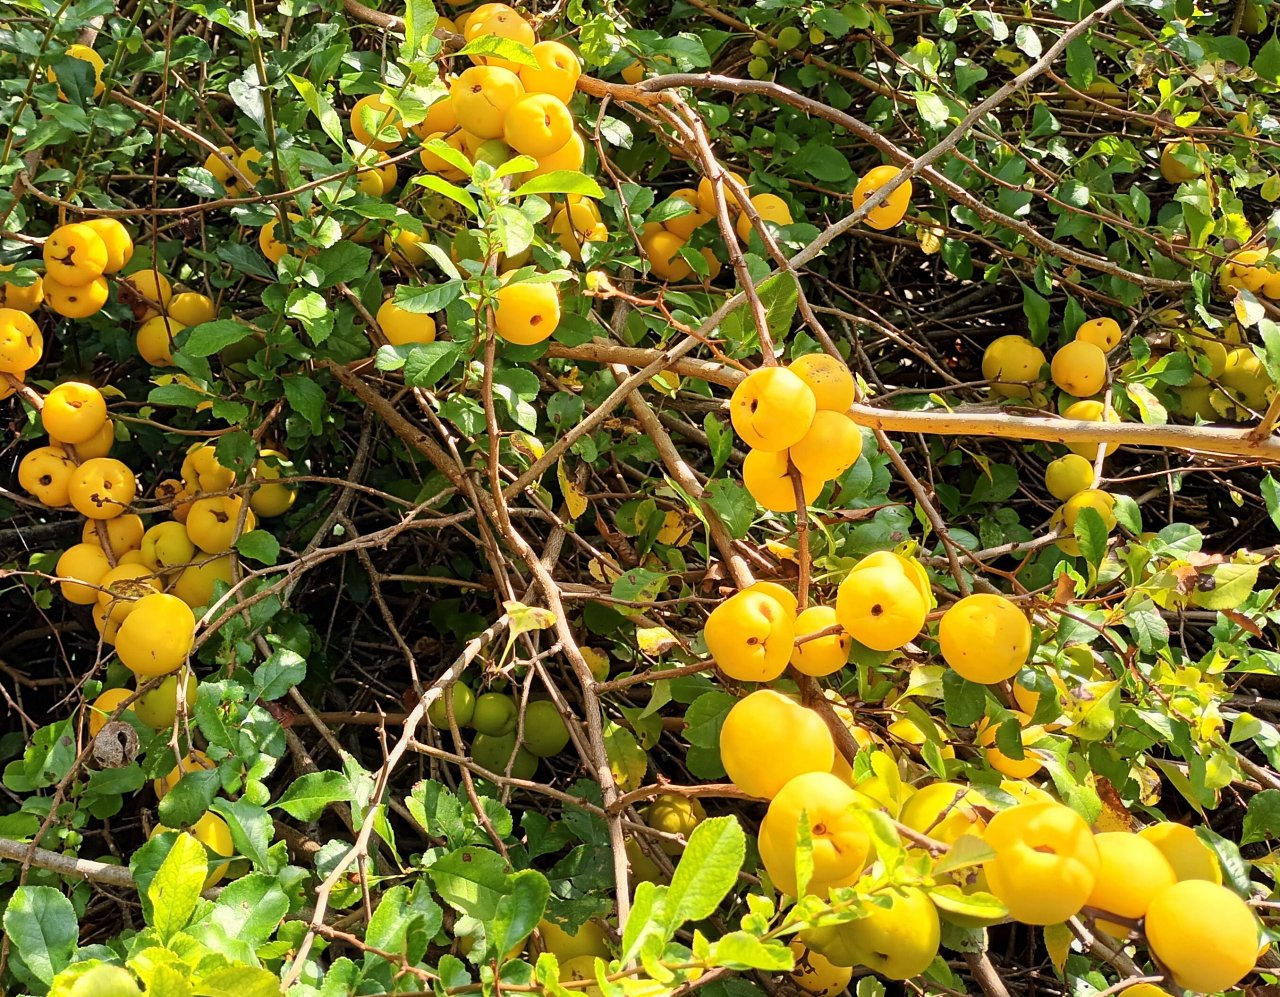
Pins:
x: 674, y: 814
x: 1190, y: 857
x: 101, y: 709
x: 893, y: 209
x: 21, y: 343
x: 75, y: 255
x: 1090, y: 410
x: 881, y: 607
x: 1046, y: 862
x: 828, y: 378
x: 1012, y: 364
x: 83, y: 565
x: 832, y: 445
x: 192, y: 308
x: 124, y: 533
x: 1067, y: 476
x: 85, y: 54
x: 985, y: 638
x: 821, y: 656
x: 767, y: 477
x: 772, y: 409
x: 526, y: 314
x: 76, y: 300
x: 481, y: 97
x: 1131, y: 873
x: 214, y: 522
x: 817, y: 975
x: 896, y: 942
x: 25, y: 298
x: 158, y: 708
x: 537, y: 124
x: 153, y: 288
x: 707, y: 196
x: 154, y: 340
x: 73, y: 412
x: 750, y: 635
x: 558, y: 70
x: 194, y: 585
x: 102, y: 488
x: 116, y: 238
x: 1080, y: 369
x: 768, y: 739
x: 401, y: 327
x: 841, y: 847
x: 569, y: 156
x: 166, y: 546
x: 45, y: 474
x: 196, y: 759
x: 1204, y: 934
x: 156, y: 636
x: 271, y: 497
x: 98, y: 445
x: 1103, y: 333
x: 770, y: 207
x: 201, y: 471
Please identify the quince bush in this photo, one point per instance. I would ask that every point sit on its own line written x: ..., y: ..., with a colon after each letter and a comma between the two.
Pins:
x: 638, y: 498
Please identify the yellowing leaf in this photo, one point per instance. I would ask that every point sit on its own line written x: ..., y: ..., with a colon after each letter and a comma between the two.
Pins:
x: 525, y: 618
x: 654, y: 640
x: 930, y: 239
x: 627, y: 760
x: 528, y: 443
x: 781, y: 551
x: 604, y: 569
x: 573, y: 497
x: 674, y: 531
x: 1057, y: 939
x: 597, y: 661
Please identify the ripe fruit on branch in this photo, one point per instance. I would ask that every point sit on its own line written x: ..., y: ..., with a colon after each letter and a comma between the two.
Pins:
x: 985, y: 638
x: 662, y: 248
x: 1015, y: 768
x: 374, y: 122
x: 195, y: 761
x: 674, y: 815
x: 822, y: 655
x: 832, y: 445
x: 214, y: 523
x: 1204, y: 934
x: 897, y: 942
x: 115, y: 237
x: 1103, y: 333
x: 944, y: 811
x: 101, y: 709
x: 767, y: 476
x: 1046, y: 862
x: 557, y: 71
x: 750, y: 635
x: 1012, y: 364
x: 45, y: 474
x: 482, y: 96
x: 21, y: 297
x: 1132, y: 871
x: 75, y: 254
x: 194, y: 585
x: 683, y: 226
x: 537, y: 124
x: 102, y: 488
x: 526, y: 314
x: 890, y: 211
x: 1182, y: 848
x: 771, y: 208
x: 768, y: 739
x: 87, y: 55
x: 82, y: 566
x: 707, y: 195
x: 1090, y: 410
x: 772, y: 409
x: 840, y: 845
x: 881, y: 605
x: 157, y: 635
x: 73, y: 412
x: 816, y: 974
x: 1067, y: 476
x: 828, y: 378
x: 1172, y: 166
x: 21, y: 343
x: 201, y: 471
x: 1080, y: 369
x: 158, y: 708
x: 271, y: 496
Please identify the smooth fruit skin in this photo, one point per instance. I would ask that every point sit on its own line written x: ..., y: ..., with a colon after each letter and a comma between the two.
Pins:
x: 372, y: 116
x: 213, y: 524
x: 271, y: 497
x: 117, y: 240
x: 985, y: 638
x: 401, y: 327
x: 105, y: 981
x: 768, y: 739
x: 102, y: 488
x: 840, y: 845
x: 1182, y: 848
x: 772, y: 409
x: 166, y: 545
x: 124, y: 533
x: 76, y: 301
x: 1132, y: 872
x: 750, y: 635
x: 1046, y: 862
x: 1204, y: 934
x: 73, y: 412
x: 101, y: 709
x: 45, y: 474
x: 822, y: 655
x: 891, y: 210
x: 1067, y: 476
x: 153, y: 288
x: 192, y: 308
x: 767, y: 476
x: 122, y: 588
x: 98, y: 445
x: 21, y: 343
x: 86, y: 563
x: 897, y: 942
x: 537, y: 124
x: 154, y: 340
x: 544, y: 732
x: 201, y: 471
x: 526, y: 314
x: 481, y: 97
x: 496, y: 754
x: 674, y: 815
x: 590, y: 940
x: 828, y: 378
x: 1079, y: 369
x: 24, y: 298
x: 158, y: 708
x: 832, y: 446
x: 1103, y: 503
x: 880, y: 607
x: 707, y: 196
x: 464, y: 707
x: 1012, y: 363
x: 495, y: 714
x: 1091, y: 410
x: 683, y: 226
x: 815, y: 974
x: 212, y: 832
x: 1103, y: 333
x: 770, y: 207
x: 75, y: 254
x: 157, y: 635
x: 662, y: 248
x: 557, y: 72
x: 944, y: 811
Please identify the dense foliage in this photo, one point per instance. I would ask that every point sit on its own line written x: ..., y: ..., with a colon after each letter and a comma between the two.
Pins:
x: 472, y: 526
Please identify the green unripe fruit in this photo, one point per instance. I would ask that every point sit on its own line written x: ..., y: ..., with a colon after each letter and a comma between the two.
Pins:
x: 495, y: 152
x: 159, y: 708
x: 789, y: 37
x: 758, y: 69
x: 545, y: 733
x: 817, y: 36
x: 495, y: 754
x: 464, y: 707
x: 105, y: 981
x: 760, y: 47
x: 494, y: 714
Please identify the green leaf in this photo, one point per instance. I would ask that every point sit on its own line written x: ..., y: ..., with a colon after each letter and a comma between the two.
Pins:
x: 503, y: 48
x: 954, y: 900
x: 471, y: 880
x: 343, y: 262
x: 175, y: 890
x: 208, y: 338
x: 932, y: 108
x: 1091, y: 532
x: 742, y: 951
x: 428, y: 363
x: 1262, y: 821
x: 311, y: 793
x: 561, y: 182
x: 964, y: 701
x: 319, y: 105
x: 779, y: 295
x: 1231, y: 585
x: 1271, y: 495
x: 42, y: 929
x: 1267, y: 62
x: 307, y: 399
x: 966, y: 851
x: 420, y: 20
x: 519, y: 911
x: 824, y: 162
x: 707, y: 871
x: 251, y: 829
x: 278, y: 674
x: 733, y: 504
x: 185, y: 802
x: 249, y: 909
x: 442, y: 186
x: 426, y: 299
x: 259, y: 545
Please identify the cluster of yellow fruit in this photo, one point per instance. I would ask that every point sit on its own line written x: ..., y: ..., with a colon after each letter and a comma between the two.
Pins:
x: 1255, y: 270
x: 797, y: 417
x: 77, y: 259
x: 163, y: 314
x: 1014, y: 365
x: 504, y: 739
